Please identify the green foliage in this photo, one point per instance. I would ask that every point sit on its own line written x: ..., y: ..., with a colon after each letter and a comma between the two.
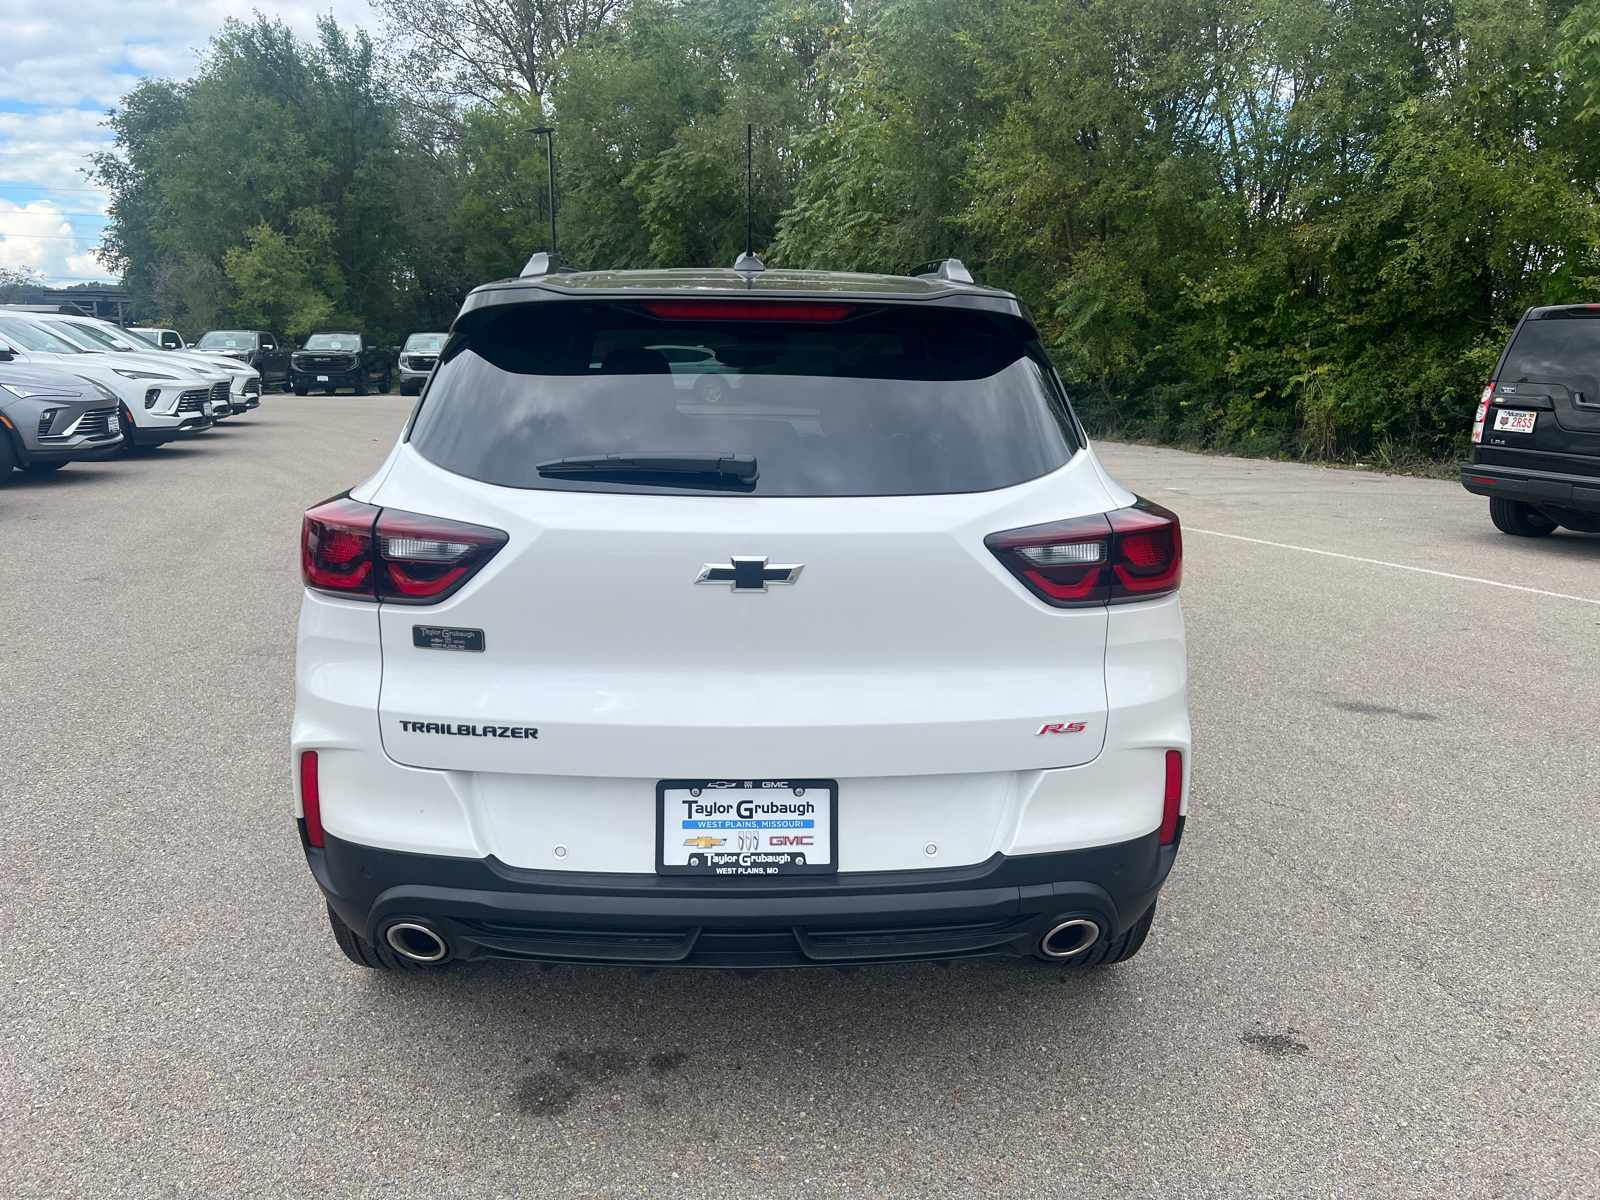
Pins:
x: 1276, y: 226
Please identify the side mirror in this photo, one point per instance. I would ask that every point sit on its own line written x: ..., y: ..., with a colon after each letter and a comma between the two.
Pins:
x: 6, y: 355
x: 188, y: 345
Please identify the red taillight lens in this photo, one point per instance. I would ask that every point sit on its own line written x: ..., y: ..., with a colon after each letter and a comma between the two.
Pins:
x: 367, y: 553
x: 311, y: 797
x: 422, y: 560
x: 748, y: 310
x: 1483, y: 414
x: 1130, y: 554
x: 336, y: 547
x: 1173, y: 797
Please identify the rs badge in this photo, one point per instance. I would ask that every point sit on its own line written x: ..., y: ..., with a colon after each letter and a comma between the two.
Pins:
x: 1065, y: 727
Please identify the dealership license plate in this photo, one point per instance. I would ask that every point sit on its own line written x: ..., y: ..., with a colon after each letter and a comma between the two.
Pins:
x: 747, y: 828
x: 322, y: 379
x: 208, y: 409
x: 1511, y: 420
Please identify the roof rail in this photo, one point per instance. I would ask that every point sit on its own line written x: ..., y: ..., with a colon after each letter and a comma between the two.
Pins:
x: 952, y: 269
x: 542, y: 264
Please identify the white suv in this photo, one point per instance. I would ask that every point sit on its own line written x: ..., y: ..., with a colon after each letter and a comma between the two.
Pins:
x: 724, y: 619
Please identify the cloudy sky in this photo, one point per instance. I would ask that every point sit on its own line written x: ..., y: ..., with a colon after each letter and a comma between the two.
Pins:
x: 63, y: 65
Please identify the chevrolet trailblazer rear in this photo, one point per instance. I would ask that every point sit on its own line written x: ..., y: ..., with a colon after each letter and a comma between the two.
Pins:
x: 736, y: 619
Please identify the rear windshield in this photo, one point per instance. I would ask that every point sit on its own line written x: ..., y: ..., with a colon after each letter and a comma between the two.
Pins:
x: 228, y: 339
x: 882, y: 403
x: 333, y: 341
x: 1559, y: 350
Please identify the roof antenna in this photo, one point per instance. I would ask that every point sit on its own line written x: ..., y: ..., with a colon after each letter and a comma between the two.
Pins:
x: 545, y: 264
x: 748, y: 261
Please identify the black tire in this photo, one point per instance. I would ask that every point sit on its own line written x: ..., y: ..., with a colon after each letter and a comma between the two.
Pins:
x: 1107, y: 951
x: 8, y: 459
x: 410, y: 389
x: 364, y: 954
x: 1519, y: 519
x: 300, y: 389
x: 386, y: 385
x: 360, y: 388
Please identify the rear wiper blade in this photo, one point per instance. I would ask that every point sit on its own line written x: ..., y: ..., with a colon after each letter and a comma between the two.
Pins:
x: 672, y: 468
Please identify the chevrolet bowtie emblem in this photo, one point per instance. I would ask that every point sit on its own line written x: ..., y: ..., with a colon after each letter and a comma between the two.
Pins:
x: 748, y: 574
x: 703, y: 843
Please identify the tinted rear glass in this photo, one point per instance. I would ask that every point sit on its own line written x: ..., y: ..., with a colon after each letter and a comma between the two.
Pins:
x: 1556, y: 350
x: 886, y: 403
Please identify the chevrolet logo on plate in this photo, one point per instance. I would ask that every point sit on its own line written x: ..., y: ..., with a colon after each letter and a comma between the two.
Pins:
x: 703, y: 843
x: 749, y: 574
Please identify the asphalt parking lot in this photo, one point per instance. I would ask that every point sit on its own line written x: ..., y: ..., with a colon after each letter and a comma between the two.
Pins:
x: 1372, y: 974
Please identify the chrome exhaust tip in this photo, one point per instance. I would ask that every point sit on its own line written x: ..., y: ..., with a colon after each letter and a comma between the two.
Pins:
x: 416, y: 942
x: 1072, y: 936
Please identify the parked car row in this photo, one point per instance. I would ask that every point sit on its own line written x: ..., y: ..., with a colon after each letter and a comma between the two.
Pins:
x: 77, y: 389
x: 327, y: 362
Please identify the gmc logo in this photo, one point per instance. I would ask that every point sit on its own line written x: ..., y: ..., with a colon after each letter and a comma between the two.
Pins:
x: 1073, y: 727
x: 790, y: 839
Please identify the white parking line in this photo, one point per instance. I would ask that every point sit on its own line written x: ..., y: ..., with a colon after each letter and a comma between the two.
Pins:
x: 1378, y: 562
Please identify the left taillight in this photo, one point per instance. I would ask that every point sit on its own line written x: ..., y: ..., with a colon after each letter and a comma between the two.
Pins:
x: 358, y: 550
x: 1133, y: 553
x: 1482, y: 414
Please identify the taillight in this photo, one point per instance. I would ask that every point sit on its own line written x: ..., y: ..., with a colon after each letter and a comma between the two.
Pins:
x: 1109, y: 558
x: 1172, y: 798
x: 422, y: 560
x: 367, y: 553
x: 1483, y: 414
x: 311, y: 797
x: 336, y: 547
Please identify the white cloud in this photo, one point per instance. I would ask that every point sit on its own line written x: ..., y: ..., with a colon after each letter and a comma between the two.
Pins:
x: 62, y: 67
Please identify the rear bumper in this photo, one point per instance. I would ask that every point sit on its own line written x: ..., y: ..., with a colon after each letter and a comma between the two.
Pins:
x: 1538, y: 488
x: 485, y: 909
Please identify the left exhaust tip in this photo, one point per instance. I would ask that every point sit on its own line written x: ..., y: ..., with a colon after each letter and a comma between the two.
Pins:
x: 416, y: 942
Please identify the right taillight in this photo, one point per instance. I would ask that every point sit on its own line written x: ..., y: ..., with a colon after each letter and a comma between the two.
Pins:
x: 1483, y: 414
x: 1109, y: 558
x: 357, y: 550
x: 311, y: 797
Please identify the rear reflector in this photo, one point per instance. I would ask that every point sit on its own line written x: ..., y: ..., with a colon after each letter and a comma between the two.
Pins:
x: 1173, y: 797
x: 367, y: 553
x: 1108, y: 558
x: 748, y: 310
x: 311, y: 797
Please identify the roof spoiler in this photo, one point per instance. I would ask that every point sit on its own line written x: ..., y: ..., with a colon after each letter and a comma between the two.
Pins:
x: 543, y: 264
x: 952, y: 269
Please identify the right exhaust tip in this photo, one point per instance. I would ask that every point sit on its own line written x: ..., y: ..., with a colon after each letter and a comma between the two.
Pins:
x: 416, y: 942
x: 1070, y: 937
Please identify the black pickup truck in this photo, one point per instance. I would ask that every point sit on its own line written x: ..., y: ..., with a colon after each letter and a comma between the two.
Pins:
x: 253, y: 347
x: 331, y: 361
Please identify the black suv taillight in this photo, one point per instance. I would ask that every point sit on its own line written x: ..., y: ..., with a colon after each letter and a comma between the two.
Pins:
x: 1109, y: 558
x: 358, y: 550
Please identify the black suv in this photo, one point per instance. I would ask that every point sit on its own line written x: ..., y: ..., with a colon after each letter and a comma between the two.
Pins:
x: 331, y: 361
x: 253, y: 347
x: 1536, y: 436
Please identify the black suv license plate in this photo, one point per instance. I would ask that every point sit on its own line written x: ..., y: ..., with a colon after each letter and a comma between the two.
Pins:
x: 747, y: 828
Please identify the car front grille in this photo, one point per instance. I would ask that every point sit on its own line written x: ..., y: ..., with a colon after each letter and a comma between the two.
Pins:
x: 324, y: 362
x: 252, y: 387
x: 97, y: 422
x: 413, y: 363
x: 219, y: 392
x: 193, y: 401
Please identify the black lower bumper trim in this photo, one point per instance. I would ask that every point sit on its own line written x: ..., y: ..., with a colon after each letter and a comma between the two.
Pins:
x: 486, y: 909
x: 1582, y: 495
